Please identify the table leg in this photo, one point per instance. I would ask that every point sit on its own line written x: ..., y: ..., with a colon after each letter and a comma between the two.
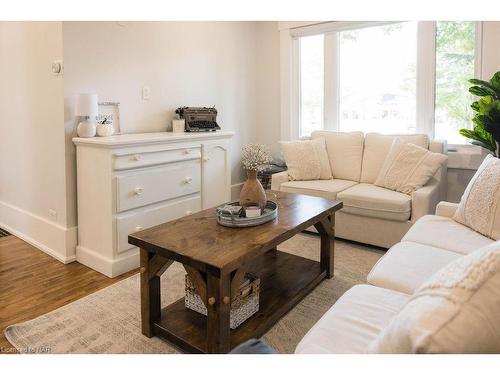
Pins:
x: 219, y: 307
x: 327, y: 245
x: 150, y: 294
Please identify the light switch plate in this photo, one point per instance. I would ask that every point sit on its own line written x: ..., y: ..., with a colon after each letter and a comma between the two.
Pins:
x: 146, y: 93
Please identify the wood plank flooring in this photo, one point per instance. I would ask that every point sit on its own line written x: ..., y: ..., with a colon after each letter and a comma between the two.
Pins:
x: 33, y: 283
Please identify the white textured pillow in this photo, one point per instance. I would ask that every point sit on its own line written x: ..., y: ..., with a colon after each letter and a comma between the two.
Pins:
x: 479, y: 208
x: 307, y: 160
x: 408, y: 167
x: 456, y: 311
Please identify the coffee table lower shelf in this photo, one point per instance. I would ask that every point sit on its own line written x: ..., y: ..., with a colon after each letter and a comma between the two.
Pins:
x: 285, y: 280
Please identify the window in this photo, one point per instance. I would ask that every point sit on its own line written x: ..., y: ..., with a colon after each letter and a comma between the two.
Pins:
x: 455, y: 47
x: 377, y: 78
x: 381, y: 77
x: 311, y: 83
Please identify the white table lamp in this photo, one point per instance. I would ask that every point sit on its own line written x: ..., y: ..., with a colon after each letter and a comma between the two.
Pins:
x: 86, y: 106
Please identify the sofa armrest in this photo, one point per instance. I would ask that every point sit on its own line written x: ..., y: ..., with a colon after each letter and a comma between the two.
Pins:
x: 277, y: 179
x: 441, y: 147
x: 438, y: 145
x: 446, y: 209
x: 425, y: 199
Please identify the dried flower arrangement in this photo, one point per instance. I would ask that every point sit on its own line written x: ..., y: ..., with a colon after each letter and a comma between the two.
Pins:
x: 254, y: 155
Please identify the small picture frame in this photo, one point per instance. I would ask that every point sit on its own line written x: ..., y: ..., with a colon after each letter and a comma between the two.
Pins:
x: 109, y: 112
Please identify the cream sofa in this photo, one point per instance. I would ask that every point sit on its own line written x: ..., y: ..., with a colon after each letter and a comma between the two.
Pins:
x: 357, y: 317
x: 371, y: 214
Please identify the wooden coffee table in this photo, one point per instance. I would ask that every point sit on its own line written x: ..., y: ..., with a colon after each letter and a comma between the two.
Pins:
x: 217, y: 258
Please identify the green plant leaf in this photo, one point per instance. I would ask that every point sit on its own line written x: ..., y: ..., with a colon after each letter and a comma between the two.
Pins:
x: 480, y: 82
x: 478, y: 120
x: 487, y: 85
x: 478, y: 143
x: 478, y: 137
x: 495, y: 81
x: 475, y: 106
x: 482, y: 91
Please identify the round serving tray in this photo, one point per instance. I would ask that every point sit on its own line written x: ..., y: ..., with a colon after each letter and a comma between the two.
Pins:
x: 235, y: 221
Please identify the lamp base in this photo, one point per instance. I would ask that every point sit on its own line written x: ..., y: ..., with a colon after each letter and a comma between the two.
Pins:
x: 86, y: 129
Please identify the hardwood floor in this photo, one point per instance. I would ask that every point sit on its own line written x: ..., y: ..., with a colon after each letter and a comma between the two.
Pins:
x: 32, y: 283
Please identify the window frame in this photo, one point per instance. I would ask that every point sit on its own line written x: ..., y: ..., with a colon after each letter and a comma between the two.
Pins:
x: 426, y: 70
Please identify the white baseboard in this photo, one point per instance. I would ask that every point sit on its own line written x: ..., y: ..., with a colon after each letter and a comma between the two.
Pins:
x: 52, y: 238
x: 125, y: 262
x: 235, y: 191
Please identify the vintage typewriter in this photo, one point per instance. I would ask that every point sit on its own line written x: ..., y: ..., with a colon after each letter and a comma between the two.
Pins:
x: 199, y: 119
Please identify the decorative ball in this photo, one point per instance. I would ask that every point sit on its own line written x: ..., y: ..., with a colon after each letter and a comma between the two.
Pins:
x: 105, y: 130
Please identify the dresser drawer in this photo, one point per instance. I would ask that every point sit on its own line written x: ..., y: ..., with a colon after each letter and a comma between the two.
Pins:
x: 140, y: 188
x: 144, y: 159
x: 150, y: 217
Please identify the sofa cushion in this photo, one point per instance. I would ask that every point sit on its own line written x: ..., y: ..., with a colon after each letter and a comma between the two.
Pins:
x: 408, y: 167
x: 376, y: 149
x: 375, y: 201
x: 479, y: 207
x: 445, y: 233
x: 320, y: 188
x: 353, y: 322
x: 454, y: 311
x: 407, y: 265
x: 302, y: 160
x: 345, y: 152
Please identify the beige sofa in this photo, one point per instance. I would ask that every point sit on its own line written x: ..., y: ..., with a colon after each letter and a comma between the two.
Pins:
x: 357, y: 318
x: 371, y: 214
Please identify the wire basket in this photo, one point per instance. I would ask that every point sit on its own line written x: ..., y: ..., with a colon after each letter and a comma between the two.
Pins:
x: 243, y: 305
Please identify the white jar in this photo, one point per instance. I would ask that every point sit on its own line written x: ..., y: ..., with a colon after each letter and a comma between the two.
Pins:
x: 105, y: 130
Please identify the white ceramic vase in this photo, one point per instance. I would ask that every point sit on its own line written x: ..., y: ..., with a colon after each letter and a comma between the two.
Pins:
x: 86, y: 129
x: 105, y: 130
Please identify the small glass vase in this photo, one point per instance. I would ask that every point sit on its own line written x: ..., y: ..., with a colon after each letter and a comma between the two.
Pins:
x: 252, y: 193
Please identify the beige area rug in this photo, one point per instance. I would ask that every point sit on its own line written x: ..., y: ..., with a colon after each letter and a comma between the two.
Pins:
x: 108, y: 321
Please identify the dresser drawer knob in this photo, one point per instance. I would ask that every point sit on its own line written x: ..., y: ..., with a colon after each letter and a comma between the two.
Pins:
x: 188, y: 180
x: 138, y: 228
x: 138, y: 190
x: 206, y: 158
x: 138, y: 157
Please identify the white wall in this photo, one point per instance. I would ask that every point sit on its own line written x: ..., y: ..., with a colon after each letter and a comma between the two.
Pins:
x: 268, y: 85
x: 183, y: 63
x: 491, y: 50
x: 32, y: 173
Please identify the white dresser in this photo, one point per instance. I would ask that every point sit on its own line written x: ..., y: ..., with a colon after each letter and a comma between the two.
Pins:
x: 134, y: 181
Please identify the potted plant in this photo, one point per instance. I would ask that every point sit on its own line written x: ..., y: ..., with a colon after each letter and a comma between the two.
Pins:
x: 486, y: 131
x: 252, y: 192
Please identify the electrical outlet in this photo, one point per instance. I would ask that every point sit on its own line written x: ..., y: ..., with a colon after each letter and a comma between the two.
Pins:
x: 146, y: 93
x: 53, y: 214
x: 57, y: 67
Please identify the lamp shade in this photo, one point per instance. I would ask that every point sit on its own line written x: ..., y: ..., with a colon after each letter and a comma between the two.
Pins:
x: 86, y: 105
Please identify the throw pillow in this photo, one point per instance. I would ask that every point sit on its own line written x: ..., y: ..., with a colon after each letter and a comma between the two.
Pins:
x: 454, y: 311
x: 408, y: 167
x: 479, y: 208
x: 307, y: 160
